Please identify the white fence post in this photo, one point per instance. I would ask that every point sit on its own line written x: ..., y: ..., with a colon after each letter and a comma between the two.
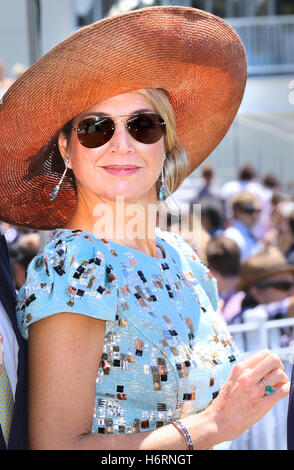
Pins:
x: 256, y: 339
x: 262, y: 433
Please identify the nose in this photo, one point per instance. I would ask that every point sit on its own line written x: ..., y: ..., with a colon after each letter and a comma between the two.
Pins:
x: 121, y: 140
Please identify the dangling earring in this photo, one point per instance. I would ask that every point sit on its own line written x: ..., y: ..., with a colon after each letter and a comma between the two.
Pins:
x: 55, y: 191
x: 163, y: 189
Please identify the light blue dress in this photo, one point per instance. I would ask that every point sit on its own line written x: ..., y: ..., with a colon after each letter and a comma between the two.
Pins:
x: 166, y: 351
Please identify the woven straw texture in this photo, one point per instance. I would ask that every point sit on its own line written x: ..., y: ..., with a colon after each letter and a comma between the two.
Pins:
x: 197, y: 57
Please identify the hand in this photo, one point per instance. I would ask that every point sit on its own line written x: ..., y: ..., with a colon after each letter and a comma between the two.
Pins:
x: 242, y: 400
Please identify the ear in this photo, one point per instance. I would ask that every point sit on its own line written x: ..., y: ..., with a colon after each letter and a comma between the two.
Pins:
x: 63, y: 147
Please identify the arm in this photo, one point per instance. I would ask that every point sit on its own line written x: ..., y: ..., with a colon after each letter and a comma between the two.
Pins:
x: 64, y: 355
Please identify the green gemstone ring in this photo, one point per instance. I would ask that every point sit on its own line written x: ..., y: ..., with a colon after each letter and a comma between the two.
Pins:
x: 269, y: 390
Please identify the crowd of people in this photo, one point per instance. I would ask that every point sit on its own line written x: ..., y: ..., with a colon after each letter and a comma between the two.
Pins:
x: 248, y: 243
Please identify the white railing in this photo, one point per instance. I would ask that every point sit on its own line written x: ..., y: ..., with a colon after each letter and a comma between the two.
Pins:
x: 254, y: 334
x: 268, y: 41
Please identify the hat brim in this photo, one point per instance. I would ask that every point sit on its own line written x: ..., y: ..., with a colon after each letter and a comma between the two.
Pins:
x: 246, y: 283
x: 197, y: 57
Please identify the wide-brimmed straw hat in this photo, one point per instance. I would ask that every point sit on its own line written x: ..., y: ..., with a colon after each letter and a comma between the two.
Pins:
x: 197, y: 57
x: 262, y: 265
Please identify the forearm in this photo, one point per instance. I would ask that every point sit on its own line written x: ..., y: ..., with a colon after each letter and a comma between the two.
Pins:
x: 201, y: 427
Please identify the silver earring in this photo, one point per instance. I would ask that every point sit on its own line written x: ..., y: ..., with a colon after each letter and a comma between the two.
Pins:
x: 55, y: 191
x: 163, y: 189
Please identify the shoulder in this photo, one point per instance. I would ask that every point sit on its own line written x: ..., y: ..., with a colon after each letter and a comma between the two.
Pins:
x: 68, y: 249
x: 235, y: 234
x: 71, y: 274
x: 79, y: 240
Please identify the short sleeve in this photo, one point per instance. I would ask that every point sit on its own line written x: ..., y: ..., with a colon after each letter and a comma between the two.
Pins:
x: 71, y: 274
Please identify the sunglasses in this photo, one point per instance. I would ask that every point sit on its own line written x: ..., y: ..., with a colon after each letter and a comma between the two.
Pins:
x: 250, y: 210
x: 94, y: 131
x: 281, y: 285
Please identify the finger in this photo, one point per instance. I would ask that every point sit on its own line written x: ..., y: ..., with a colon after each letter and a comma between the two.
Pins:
x: 266, y: 366
x: 275, y: 378
x: 282, y: 391
x: 255, y: 359
x: 271, y: 400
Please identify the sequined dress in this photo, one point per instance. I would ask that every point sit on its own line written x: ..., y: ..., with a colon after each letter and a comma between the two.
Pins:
x: 166, y: 351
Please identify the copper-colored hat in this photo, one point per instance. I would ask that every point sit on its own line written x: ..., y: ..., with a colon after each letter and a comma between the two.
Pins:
x: 262, y: 265
x: 197, y: 57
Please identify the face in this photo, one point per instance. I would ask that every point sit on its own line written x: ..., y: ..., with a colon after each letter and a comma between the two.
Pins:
x: 274, y: 292
x: 102, y: 172
x: 225, y: 283
x: 283, y: 227
x: 250, y: 215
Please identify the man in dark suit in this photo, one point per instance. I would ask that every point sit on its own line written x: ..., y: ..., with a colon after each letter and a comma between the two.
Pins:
x: 15, y: 352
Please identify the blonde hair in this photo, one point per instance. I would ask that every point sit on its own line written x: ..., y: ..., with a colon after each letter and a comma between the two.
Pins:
x: 177, y: 165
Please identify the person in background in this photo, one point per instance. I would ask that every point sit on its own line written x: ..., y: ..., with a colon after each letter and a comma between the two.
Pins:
x: 279, y: 197
x: 13, y: 355
x: 212, y: 216
x: 271, y: 182
x: 10, y: 233
x: 274, y: 235
x: 248, y: 181
x: 224, y: 261
x: 21, y: 252
x: 209, y: 190
x: 191, y: 229
x: 290, y: 252
x: 246, y: 209
x: 283, y: 223
x: 268, y: 283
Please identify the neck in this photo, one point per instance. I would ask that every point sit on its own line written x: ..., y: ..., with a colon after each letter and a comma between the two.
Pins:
x: 130, y: 223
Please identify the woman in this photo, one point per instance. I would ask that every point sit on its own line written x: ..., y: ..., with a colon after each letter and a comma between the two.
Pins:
x: 125, y: 349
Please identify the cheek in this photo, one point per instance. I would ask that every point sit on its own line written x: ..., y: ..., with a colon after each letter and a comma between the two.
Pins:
x: 155, y: 156
x: 82, y: 160
x: 274, y: 295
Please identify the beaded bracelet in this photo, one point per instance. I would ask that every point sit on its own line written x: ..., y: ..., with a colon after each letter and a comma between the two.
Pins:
x: 184, y: 431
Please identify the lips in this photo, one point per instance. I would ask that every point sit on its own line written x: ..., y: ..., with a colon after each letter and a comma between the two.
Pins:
x: 121, y: 167
x: 121, y: 170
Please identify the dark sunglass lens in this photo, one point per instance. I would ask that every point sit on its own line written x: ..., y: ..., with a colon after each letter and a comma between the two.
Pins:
x: 280, y: 285
x: 146, y: 128
x: 283, y: 285
x: 95, y: 132
x: 250, y: 210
